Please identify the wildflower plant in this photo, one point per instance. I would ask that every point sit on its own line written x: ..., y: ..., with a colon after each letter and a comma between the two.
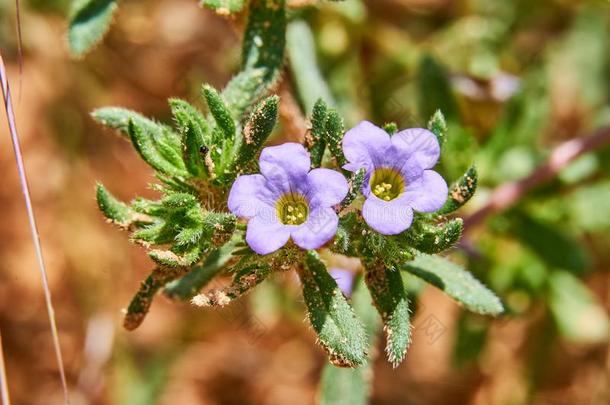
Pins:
x: 370, y: 193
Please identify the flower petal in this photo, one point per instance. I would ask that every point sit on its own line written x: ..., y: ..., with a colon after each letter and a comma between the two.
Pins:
x: 250, y: 195
x: 319, y: 228
x: 418, y: 149
x: 387, y: 217
x: 266, y: 234
x: 285, y: 166
x: 325, y: 188
x: 428, y: 193
x: 364, y: 146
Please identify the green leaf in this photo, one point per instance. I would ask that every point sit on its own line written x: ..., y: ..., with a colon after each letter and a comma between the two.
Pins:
x: 180, y: 201
x: 390, y: 299
x: 334, y: 136
x: 156, y: 143
x: 355, y: 185
x: 189, y: 236
x: 438, y: 126
x: 340, y: 333
x: 156, y: 150
x: 118, y: 118
x: 89, y: 21
x: 113, y: 209
x: 196, y: 139
x: 301, y: 50
x: 352, y: 386
x: 257, y: 130
x: 224, y: 7
x: 262, y: 55
x: 455, y: 282
x: 243, y: 282
x: 158, y: 233
x: 578, y: 314
x: 169, y: 258
x: 461, y: 192
x: 315, y: 141
x: 219, y: 227
x: 348, y: 231
x: 141, y: 302
x: 148, y: 207
x: 189, y: 285
x: 429, y: 238
x: 221, y: 113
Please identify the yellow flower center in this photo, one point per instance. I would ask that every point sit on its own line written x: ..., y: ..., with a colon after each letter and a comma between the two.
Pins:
x: 387, y: 183
x: 292, y: 209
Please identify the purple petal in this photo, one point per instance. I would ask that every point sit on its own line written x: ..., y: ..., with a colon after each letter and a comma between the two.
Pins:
x: 387, y: 217
x: 428, y: 193
x: 250, y: 195
x: 285, y: 166
x: 325, y: 188
x: 418, y: 149
x: 319, y: 228
x: 344, y: 279
x: 365, y: 146
x: 265, y: 234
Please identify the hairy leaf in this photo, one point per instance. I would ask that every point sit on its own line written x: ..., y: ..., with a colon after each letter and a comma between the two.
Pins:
x: 455, y: 282
x: 334, y: 136
x: 221, y: 113
x: 89, y: 21
x: 461, y: 191
x: 315, y: 141
x: 113, y: 209
x: 196, y: 136
x: 355, y: 185
x: 352, y: 386
x: 169, y: 258
x: 429, y: 238
x: 189, y: 285
x: 243, y: 281
x: 262, y: 55
x: 340, y: 333
x: 141, y: 302
x: 390, y: 299
x: 438, y: 126
x: 257, y: 130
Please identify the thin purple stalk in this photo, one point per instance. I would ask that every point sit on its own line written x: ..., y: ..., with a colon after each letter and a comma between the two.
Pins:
x: 19, y: 48
x: 3, y: 381
x: 33, y: 228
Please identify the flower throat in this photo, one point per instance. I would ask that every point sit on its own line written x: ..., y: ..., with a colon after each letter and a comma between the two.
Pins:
x: 292, y: 209
x: 387, y: 183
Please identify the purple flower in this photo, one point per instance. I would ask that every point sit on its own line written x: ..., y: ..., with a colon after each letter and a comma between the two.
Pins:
x: 287, y: 200
x: 398, y: 179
